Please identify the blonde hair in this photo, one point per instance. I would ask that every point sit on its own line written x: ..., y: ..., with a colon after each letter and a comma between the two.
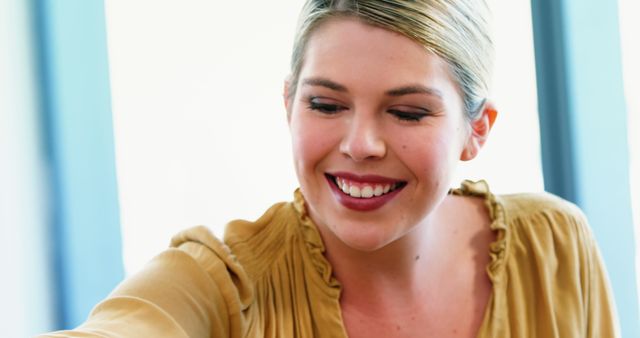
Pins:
x: 455, y: 30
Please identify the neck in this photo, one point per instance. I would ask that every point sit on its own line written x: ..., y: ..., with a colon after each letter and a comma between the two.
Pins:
x: 398, y: 268
x: 403, y: 271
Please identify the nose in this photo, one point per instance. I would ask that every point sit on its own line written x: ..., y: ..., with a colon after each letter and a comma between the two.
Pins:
x: 363, y: 140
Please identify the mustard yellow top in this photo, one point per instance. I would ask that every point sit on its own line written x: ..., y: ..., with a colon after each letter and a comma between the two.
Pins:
x: 270, y: 279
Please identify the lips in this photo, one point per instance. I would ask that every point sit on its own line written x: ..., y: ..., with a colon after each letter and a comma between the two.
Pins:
x: 363, y: 193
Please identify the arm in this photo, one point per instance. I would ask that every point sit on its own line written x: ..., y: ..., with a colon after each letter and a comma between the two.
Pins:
x: 601, y: 310
x: 186, y: 291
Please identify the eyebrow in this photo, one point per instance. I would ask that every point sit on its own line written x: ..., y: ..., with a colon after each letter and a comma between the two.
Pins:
x: 414, y: 89
x: 400, y: 91
x: 324, y: 82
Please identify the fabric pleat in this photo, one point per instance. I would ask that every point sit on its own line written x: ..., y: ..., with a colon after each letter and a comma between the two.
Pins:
x: 270, y: 279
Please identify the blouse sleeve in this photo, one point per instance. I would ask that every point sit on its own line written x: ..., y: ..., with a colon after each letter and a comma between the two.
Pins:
x: 554, y: 282
x: 601, y: 310
x: 195, y: 289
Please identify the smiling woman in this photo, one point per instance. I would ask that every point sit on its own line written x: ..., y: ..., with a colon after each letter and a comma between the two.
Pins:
x: 231, y: 98
x: 385, y: 98
x: 376, y: 127
x: 398, y: 130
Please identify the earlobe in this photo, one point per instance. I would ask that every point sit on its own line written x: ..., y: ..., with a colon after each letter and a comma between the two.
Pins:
x: 480, y: 129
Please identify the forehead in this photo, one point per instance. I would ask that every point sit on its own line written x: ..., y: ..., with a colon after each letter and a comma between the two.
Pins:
x: 349, y: 48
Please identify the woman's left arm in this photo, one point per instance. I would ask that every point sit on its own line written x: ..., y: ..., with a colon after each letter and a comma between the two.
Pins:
x: 602, y: 319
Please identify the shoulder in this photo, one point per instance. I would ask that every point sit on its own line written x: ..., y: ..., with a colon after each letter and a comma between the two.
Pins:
x: 525, y: 216
x: 524, y: 204
x: 247, y: 245
x: 546, y: 232
x: 275, y: 222
x: 530, y: 225
x: 539, y: 211
x: 551, y: 250
x: 215, y: 259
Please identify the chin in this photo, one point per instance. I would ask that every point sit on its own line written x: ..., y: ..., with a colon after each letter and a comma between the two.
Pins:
x: 365, y: 238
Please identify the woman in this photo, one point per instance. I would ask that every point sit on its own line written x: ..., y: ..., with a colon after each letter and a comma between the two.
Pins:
x: 383, y: 100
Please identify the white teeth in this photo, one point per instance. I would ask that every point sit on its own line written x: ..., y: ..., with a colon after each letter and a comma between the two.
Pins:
x: 367, y: 192
x: 354, y: 191
x: 345, y: 188
x: 378, y: 191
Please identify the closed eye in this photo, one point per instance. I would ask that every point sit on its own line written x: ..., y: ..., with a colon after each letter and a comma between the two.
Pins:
x: 408, y: 116
x: 317, y: 104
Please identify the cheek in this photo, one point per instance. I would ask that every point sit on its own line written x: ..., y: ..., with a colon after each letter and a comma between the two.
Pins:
x: 311, y: 142
x: 430, y: 154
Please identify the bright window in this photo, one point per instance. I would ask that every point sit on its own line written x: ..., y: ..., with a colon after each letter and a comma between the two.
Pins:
x: 201, y: 134
x: 629, y: 25
x: 28, y: 299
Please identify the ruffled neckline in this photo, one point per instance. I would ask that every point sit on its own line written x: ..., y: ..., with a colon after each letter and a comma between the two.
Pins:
x: 497, y: 249
x: 314, y: 242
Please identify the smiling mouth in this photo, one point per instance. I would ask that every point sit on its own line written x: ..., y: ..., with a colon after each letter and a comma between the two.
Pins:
x: 365, y: 190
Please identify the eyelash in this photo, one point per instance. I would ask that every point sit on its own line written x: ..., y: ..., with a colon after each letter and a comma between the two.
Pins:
x: 407, y: 116
x: 325, y: 108
x: 331, y: 109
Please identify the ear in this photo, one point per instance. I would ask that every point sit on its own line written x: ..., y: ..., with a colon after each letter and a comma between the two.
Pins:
x: 480, y: 128
x: 287, y: 100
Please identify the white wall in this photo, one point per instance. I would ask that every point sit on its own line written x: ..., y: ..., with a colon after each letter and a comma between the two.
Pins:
x: 511, y: 159
x: 26, y: 307
x: 201, y: 135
